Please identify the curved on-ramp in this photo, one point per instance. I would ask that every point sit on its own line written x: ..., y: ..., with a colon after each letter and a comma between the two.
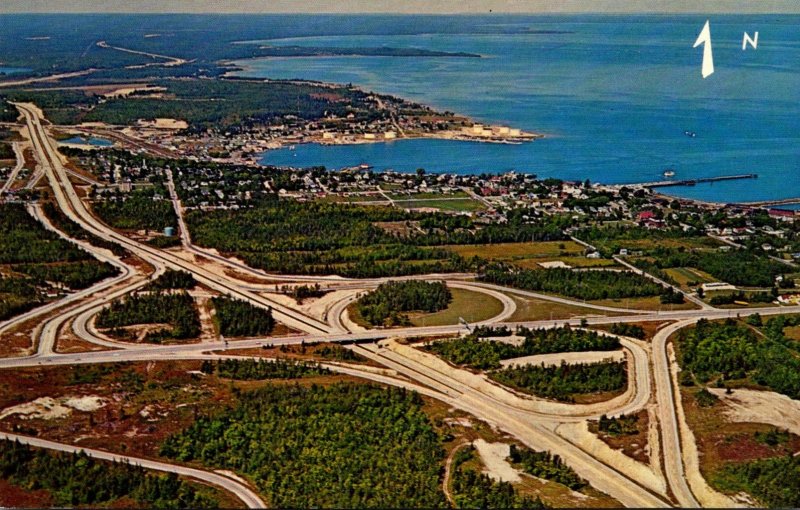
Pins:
x: 241, y: 491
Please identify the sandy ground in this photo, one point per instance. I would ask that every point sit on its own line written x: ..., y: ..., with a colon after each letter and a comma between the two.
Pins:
x: 48, y: 408
x: 761, y: 407
x: 164, y: 124
x: 570, y: 358
x: 493, y: 456
x: 207, y: 331
x: 511, y: 340
x: 578, y: 434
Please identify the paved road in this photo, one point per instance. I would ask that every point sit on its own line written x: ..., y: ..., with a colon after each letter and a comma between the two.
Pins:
x: 244, y: 493
x: 14, y: 171
x: 668, y: 420
x: 71, y: 204
x: 529, y: 426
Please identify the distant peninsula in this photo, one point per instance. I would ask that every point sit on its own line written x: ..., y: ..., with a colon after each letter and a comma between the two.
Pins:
x: 331, y: 51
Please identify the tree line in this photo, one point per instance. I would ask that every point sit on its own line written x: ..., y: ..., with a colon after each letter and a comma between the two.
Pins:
x: 138, y: 210
x: 339, y: 446
x: 75, y: 479
x: 329, y: 238
x: 547, y: 466
x: 235, y: 317
x: 256, y: 369
x: 384, y: 305
x: 476, y: 351
x: 176, y: 309
x: 721, y: 351
x: 563, y: 382
x: 588, y: 285
x: 173, y: 279
x: 738, y: 267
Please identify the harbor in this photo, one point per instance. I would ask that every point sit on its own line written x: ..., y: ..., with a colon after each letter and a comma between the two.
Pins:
x: 693, y: 182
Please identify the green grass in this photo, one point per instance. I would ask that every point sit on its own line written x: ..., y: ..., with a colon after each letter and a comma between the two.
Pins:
x: 645, y: 303
x: 459, y: 205
x: 427, y: 195
x: 530, y: 309
x: 472, y: 306
x: 684, y: 275
x: 513, y: 252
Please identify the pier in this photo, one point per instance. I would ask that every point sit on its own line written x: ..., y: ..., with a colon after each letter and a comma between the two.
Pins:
x: 692, y: 182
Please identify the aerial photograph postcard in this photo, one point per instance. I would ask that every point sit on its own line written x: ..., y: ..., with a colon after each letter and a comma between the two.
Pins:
x: 409, y: 254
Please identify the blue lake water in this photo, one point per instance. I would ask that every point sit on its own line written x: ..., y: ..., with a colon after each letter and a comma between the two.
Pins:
x: 12, y: 70
x: 613, y: 95
x: 97, y: 142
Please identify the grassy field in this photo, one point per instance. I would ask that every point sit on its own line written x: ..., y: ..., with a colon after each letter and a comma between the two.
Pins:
x: 459, y: 205
x: 684, y: 275
x: 529, y: 309
x: 689, y: 243
x: 514, y: 252
x: 645, y: 303
x: 576, y: 261
x: 472, y: 306
x: 426, y: 195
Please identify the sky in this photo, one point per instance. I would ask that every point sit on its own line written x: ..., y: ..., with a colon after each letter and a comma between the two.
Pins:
x: 401, y: 6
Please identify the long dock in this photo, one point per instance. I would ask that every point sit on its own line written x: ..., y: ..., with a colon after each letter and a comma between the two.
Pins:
x: 692, y: 182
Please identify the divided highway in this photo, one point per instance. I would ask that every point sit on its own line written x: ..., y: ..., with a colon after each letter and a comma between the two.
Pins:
x: 532, y: 423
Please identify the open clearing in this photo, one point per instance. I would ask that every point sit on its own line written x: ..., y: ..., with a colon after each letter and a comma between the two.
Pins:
x: 531, y: 309
x: 684, y: 275
x: 518, y: 251
x: 472, y: 306
x: 761, y: 407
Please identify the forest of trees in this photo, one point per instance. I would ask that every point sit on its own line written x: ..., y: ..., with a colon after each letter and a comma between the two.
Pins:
x: 63, y: 223
x: 138, y: 210
x: 256, y: 369
x: 340, y: 446
x: 385, y: 305
x: 173, y: 279
x: 39, y: 261
x: 17, y: 295
x: 235, y: 317
x: 75, y: 479
x: 546, y: 466
x: 73, y: 276
x: 473, y: 489
x: 336, y: 352
x: 728, y: 350
x: 476, y: 352
x: 775, y: 482
x: 624, y: 424
x: 302, y: 292
x: 328, y: 238
x: 738, y: 267
x: 563, y: 382
x: 626, y: 329
x: 176, y: 309
x: 588, y: 285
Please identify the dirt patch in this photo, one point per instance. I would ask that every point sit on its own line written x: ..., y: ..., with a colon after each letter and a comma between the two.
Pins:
x: 493, y: 456
x: 13, y: 496
x: 48, y: 408
x: 761, y: 407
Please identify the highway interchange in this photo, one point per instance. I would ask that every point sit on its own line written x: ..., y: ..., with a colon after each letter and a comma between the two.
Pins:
x: 534, y: 422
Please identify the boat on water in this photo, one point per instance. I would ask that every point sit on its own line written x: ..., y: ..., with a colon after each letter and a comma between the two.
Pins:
x: 690, y: 134
x: 669, y: 173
